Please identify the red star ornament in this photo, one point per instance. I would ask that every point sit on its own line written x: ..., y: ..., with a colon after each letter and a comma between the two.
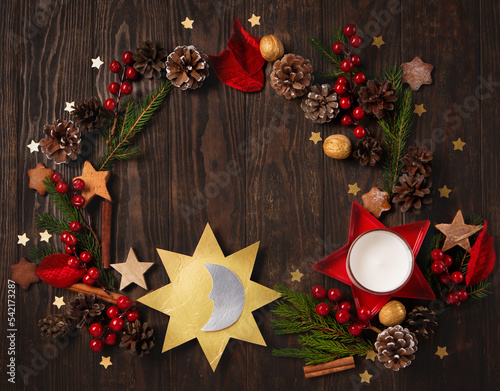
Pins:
x: 334, y: 265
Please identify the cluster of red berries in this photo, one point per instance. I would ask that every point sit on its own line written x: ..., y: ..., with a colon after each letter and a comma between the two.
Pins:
x: 107, y: 334
x: 126, y: 73
x: 62, y: 187
x: 441, y: 263
x: 345, y: 88
x: 343, y: 314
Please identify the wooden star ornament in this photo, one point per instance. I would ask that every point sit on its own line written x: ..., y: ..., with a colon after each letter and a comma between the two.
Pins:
x: 458, y: 233
x: 23, y: 273
x: 95, y: 183
x: 132, y: 271
x: 416, y: 72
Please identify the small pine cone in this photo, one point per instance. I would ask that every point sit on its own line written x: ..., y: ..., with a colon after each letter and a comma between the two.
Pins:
x: 376, y: 98
x: 418, y: 160
x: 85, y: 310
x: 396, y: 347
x: 421, y: 320
x: 150, y: 59
x: 412, y: 192
x: 187, y: 67
x: 368, y: 151
x: 56, y: 326
x: 321, y: 103
x: 89, y: 115
x: 62, y: 141
x: 292, y: 76
x: 137, y: 338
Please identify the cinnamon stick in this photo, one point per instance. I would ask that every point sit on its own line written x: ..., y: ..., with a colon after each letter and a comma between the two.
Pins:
x: 330, y: 367
x: 106, y: 211
x: 328, y: 371
x: 100, y: 293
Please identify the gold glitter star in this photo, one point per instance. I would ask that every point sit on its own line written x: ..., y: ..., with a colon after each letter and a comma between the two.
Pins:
x: 59, y: 301
x: 365, y: 377
x: 353, y: 189
x: 315, y: 137
x: 377, y: 41
x: 419, y: 109
x: 96, y: 62
x: 45, y: 236
x: 371, y: 355
x: 459, y: 144
x: 441, y: 352
x: 188, y: 23
x: 444, y: 192
x: 296, y: 275
x: 106, y: 362
x: 254, y: 20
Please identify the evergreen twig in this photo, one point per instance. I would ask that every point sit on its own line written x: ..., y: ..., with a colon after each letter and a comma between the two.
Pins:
x: 479, y: 290
x: 38, y: 252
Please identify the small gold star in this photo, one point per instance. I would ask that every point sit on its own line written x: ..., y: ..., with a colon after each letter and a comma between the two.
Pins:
x: 296, y: 275
x: 353, y: 189
x: 459, y: 144
x: 371, y: 355
x: 59, y: 302
x: 70, y: 106
x: 441, y: 352
x: 444, y: 192
x: 188, y: 23
x: 365, y: 377
x: 45, y: 236
x: 22, y: 239
x: 106, y: 362
x: 419, y: 109
x: 96, y: 62
x: 254, y: 20
x: 33, y: 146
x: 377, y: 41
x: 315, y: 137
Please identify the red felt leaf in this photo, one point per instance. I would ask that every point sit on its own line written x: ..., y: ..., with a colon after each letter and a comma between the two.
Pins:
x: 54, y: 270
x: 240, y: 67
x: 482, y: 258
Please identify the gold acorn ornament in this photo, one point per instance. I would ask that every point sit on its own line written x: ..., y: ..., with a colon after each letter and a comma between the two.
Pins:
x: 392, y: 314
x: 271, y: 48
x: 337, y: 146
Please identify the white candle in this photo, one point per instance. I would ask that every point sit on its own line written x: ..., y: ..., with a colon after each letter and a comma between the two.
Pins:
x: 380, y: 261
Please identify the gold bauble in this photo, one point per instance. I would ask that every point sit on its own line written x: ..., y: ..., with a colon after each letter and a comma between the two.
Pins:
x: 271, y: 48
x: 337, y: 146
x: 392, y: 314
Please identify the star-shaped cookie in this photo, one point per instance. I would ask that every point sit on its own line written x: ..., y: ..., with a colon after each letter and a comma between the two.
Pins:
x: 95, y: 183
x: 376, y: 201
x: 458, y: 233
x: 37, y: 175
x: 23, y: 273
x: 416, y: 73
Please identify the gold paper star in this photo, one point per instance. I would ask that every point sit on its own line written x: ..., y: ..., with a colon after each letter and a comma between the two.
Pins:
x: 459, y: 144
x: 106, y: 362
x: 457, y: 233
x: 365, y: 377
x: 59, y: 301
x: 353, y: 189
x: 33, y: 146
x: 95, y: 183
x: 70, y: 106
x: 419, y: 109
x: 188, y: 23
x: 255, y: 20
x: 444, y: 192
x: 371, y: 355
x: 441, y: 352
x: 132, y: 271
x: 296, y: 275
x: 45, y: 236
x: 377, y: 41
x: 22, y: 239
x: 96, y: 62
x: 315, y: 137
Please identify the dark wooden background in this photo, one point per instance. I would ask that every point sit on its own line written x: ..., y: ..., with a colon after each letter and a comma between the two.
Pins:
x: 288, y: 194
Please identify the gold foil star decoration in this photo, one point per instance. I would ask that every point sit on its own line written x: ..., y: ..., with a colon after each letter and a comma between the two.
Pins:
x: 33, y: 146
x: 254, y: 20
x: 59, y: 301
x: 378, y: 42
x: 441, y: 352
x: 22, y: 239
x: 365, y: 377
x: 188, y: 23
x: 458, y: 144
x: 353, y: 189
x: 371, y: 355
x: 70, y: 106
x: 95, y: 183
x: 315, y: 137
x: 187, y: 300
x: 444, y: 192
x: 132, y: 271
x: 458, y: 233
x: 45, y: 236
x: 96, y: 62
x: 419, y: 109
x: 296, y: 275
x: 105, y: 362
x: 416, y: 73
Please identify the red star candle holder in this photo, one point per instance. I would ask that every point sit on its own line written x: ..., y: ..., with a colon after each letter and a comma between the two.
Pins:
x: 354, y: 264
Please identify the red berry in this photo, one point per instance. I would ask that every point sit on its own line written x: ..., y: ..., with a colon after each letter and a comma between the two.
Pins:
x: 112, y: 312
x: 126, y: 88
x: 96, y: 330
x: 452, y: 298
x: 346, y: 65
x: 73, y: 262
x: 110, y: 338
x: 62, y: 187
x: 93, y: 272
x: 342, y: 316
x: 88, y: 280
x: 322, y: 309
x: 345, y: 305
x: 116, y: 324
x: 68, y: 250
x: 96, y: 345
x: 338, y: 48
x: 359, y: 132
x: 457, y: 277
x: 342, y: 80
x: 85, y: 256
x: 358, y: 113
x: 56, y: 177
x: 334, y: 294
x: 64, y: 237
x: 437, y: 267
x: 349, y: 30
x: 128, y: 57
x: 444, y: 278
x: 355, y: 41
x: 355, y: 328
x: 448, y: 261
x: 132, y: 316
x: 462, y: 295
x: 345, y: 102
x: 75, y: 226
x: 340, y: 88
x: 78, y: 200
x: 356, y: 60
x: 364, y: 314
x: 318, y: 292
x: 71, y: 240
x: 115, y: 66
x: 437, y: 255
x: 131, y: 73
x: 346, y: 120
x: 110, y: 104
x: 359, y: 78
x: 78, y: 184
x: 114, y: 88
x: 123, y: 303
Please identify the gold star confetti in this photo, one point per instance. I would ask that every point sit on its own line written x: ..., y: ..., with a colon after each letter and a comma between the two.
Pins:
x: 371, y: 355
x: 132, y: 271
x: 22, y: 239
x: 457, y: 233
x: 365, y: 377
x: 70, y: 106
x: 188, y: 23
x: 59, y: 301
x: 33, y: 146
x: 255, y: 20
x: 444, y: 192
x: 377, y: 41
x: 315, y: 137
x: 105, y: 362
x: 296, y: 275
x: 96, y: 62
x: 45, y: 236
x: 353, y: 189
x: 441, y: 352
x: 419, y: 109
x: 459, y: 144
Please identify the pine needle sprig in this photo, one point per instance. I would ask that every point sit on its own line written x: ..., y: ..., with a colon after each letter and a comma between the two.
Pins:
x: 479, y: 291
x: 62, y: 202
x: 38, y: 252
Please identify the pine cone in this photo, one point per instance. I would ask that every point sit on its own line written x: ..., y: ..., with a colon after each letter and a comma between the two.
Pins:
x: 396, y: 347
x: 137, y: 339
x: 292, y: 76
x: 418, y: 160
x: 421, y: 320
x: 85, y: 310
x: 89, y: 115
x: 56, y: 326
x: 187, y: 67
x: 62, y: 141
x: 368, y: 151
x: 150, y: 59
x: 321, y: 103
x: 376, y: 97
x: 412, y: 192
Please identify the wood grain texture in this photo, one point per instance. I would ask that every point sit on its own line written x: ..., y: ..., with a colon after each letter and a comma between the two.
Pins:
x: 243, y: 163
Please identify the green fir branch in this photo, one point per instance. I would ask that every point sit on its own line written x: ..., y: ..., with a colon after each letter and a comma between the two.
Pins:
x: 479, y: 291
x: 62, y: 202
x: 311, y: 356
x: 38, y: 252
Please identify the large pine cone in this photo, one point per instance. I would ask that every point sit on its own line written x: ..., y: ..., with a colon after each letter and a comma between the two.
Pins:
x: 368, y: 151
x: 150, y: 59
x: 56, y: 326
x: 137, y: 338
x: 396, y: 347
x: 85, y: 310
x: 412, y: 192
x: 321, y: 103
x: 421, y: 320
x: 292, y: 76
x: 62, y: 141
x: 89, y: 115
x: 376, y: 98
x: 418, y: 160
x: 187, y: 67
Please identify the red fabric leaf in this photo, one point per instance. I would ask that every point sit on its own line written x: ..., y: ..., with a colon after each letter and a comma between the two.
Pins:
x: 240, y: 67
x: 482, y: 258
x: 54, y: 270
